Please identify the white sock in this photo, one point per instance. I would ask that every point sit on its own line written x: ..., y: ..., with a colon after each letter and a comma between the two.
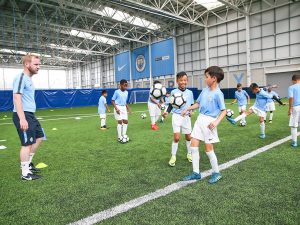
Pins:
x: 294, y: 133
x: 174, y: 148
x: 240, y: 117
x: 271, y: 116
x: 195, y: 159
x: 262, y: 128
x: 25, y: 168
x: 119, y: 129
x: 124, y: 128
x: 30, y: 157
x: 213, y: 161
x: 103, y: 122
x: 156, y: 118
x: 152, y: 120
x: 188, y: 147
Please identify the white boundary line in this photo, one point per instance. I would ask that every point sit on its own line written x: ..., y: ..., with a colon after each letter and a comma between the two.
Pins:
x: 109, y: 213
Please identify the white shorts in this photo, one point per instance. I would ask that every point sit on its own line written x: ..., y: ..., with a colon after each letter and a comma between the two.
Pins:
x: 295, y: 116
x: 181, y: 123
x: 270, y: 106
x: 154, y: 110
x: 102, y: 116
x: 202, y: 132
x: 242, y: 108
x: 123, y: 113
x: 258, y: 112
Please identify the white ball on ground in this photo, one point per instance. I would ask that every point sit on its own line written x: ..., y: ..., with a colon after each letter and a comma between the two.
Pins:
x: 143, y: 115
x: 229, y: 113
x: 124, y: 139
x: 243, y: 123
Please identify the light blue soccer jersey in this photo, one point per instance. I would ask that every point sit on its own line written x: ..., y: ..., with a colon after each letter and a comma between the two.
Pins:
x: 167, y: 100
x: 101, y: 105
x: 261, y: 99
x: 241, y: 97
x: 120, y: 97
x: 211, y: 102
x: 22, y: 84
x: 188, y: 95
x: 294, y: 92
x: 274, y: 94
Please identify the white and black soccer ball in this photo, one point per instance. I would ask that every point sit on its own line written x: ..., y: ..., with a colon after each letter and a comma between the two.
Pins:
x: 158, y: 90
x: 229, y: 113
x: 243, y: 123
x: 143, y: 116
x: 177, y: 100
x: 124, y: 139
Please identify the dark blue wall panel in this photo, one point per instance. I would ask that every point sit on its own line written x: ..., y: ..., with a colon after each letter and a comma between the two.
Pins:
x: 122, y: 66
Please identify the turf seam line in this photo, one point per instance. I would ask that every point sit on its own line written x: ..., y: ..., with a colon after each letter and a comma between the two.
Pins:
x: 109, y: 213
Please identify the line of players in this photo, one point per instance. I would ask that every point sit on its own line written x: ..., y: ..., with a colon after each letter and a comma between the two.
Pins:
x: 212, y: 110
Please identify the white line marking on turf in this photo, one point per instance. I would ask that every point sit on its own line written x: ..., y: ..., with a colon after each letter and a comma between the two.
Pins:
x: 109, y: 213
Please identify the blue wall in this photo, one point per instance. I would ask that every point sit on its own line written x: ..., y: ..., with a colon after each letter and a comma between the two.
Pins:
x: 139, y: 57
x: 122, y: 66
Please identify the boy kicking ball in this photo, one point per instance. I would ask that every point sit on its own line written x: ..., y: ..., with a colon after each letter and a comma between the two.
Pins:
x: 212, y: 110
x: 294, y: 107
x: 119, y: 101
x: 259, y: 107
x: 242, y: 98
x: 181, y: 122
x: 102, y: 108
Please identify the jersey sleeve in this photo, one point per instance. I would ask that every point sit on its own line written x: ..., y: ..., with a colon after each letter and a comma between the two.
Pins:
x: 199, y: 98
x: 220, y: 101
x: 19, y: 85
x: 246, y: 94
x: 290, y: 92
x: 192, y: 98
x: 266, y: 95
x: 114, y: 97
x: 235, y: 95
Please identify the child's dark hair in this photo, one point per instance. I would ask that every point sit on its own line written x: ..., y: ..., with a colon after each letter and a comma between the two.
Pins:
x: 215, y: 71
x: 104, y: 92
x: 180, y: 74
x: 296, y: 77
x: 123, y: 82
x: 253, y: 86
x: 239, y: 85
x: 156, y: 82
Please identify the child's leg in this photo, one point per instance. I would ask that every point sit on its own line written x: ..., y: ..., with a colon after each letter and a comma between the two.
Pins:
x: 243, y: 115
x: 294, y: 134
x: 176, y: 138
x: 188, y: 143
x: 262, y: 125
x: 119, y: 129
x: 124, y: 127
x: 271, y: 116
x: 195, y: 155
x: 209, y: 149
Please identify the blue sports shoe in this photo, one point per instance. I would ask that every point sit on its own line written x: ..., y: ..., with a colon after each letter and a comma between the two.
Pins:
x: 294, y: 144
x: 231, y: 120
x: 193, y: 176
x: 262, y: 136
x: 215, y: 177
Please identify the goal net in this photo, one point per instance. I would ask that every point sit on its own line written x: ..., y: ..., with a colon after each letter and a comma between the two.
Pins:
x: 139, y: 96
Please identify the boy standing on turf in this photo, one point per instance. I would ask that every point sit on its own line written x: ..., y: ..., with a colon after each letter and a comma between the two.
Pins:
x: 212, y: 110
x: 294, y: 107
x: 181, y: 122
x: 270, y: 104
x: 242, y: 98
x: 154, y: 107
x: 28, y: 127
x: 102, y: 107
x: 119, y: 102
x: 259, y: 107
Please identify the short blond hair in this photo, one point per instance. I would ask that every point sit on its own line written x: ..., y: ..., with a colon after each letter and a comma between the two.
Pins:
x: 28, y: 58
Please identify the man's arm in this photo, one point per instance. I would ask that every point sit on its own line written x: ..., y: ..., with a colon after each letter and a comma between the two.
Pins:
x: 291, y: 101
x: 234, y: 101
x: 107, y: 108
x: 18, y: 104
x: 155, y: 102
x: 215, y: 123
x: 115, y: 106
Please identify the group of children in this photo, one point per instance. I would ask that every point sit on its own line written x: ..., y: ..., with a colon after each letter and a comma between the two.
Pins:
x: 212, y: 110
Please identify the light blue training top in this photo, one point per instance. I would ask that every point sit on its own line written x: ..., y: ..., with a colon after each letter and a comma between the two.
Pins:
x: 294, y: 92
x: 189, y: 97
x: 23, y: 84
x: 167, y: 100
x: 120, y: 97
x: 261, y: 99
x: 274, y: 94
x: 101, y: 105
x: 241, y: 97
x: 211, y: 102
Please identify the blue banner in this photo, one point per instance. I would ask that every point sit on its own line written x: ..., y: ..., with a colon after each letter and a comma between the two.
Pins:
x: 162, y: 58
x: 140, y: 63
x: 122, y: 66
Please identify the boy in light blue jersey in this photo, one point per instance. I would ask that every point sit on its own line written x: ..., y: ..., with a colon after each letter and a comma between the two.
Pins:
x: 102, y: 107
x: 119, y: 101
x: 259, y: 107
x: 270, y: 104
x: 294, y: 107
x: 181, y: 123
x: 212, y: 110
x: 241, y: 97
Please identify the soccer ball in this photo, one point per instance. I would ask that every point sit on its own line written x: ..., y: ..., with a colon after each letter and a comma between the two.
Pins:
x: 229, y: 113
x: 177, y: 100
x: 157, y: 90
x: 143, y: 115
x: 243, y: 123
x: 124, y: 139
